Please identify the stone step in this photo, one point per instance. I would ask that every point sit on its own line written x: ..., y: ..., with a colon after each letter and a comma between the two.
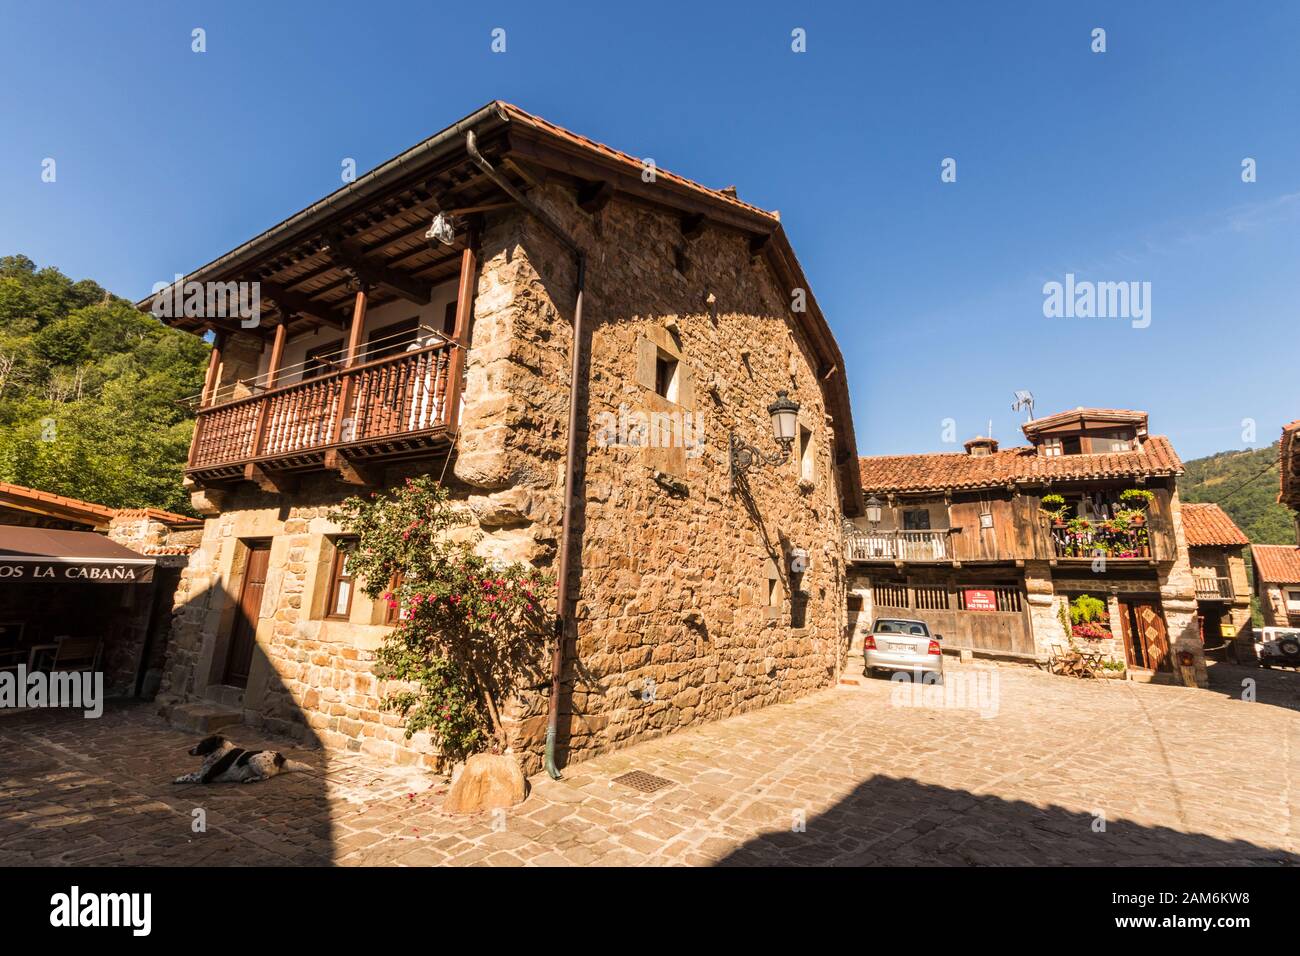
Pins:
x: 225, y: 694
x: 202, y: 717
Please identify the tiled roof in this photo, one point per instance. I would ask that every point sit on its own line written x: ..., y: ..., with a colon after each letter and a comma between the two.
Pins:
x: 1276, y: 563
x: 1022, y: 465
x: 529, y: 119
x: 34, y: 499
x: 1208, y: 526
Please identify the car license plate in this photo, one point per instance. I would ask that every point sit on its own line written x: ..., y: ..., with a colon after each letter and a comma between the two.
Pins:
x: 901, y: 647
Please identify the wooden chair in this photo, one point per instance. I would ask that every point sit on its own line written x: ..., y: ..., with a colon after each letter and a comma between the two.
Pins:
x: 66, y: 654
x: 1062, y: 661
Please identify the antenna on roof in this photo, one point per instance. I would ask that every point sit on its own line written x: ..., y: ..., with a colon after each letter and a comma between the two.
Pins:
x: 1025, y: 400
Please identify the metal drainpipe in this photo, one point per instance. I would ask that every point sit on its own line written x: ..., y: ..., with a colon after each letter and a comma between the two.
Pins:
x: 571, y: 454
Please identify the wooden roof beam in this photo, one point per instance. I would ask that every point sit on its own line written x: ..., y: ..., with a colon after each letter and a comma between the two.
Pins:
x: 348, y: 256
x: 288, y: 302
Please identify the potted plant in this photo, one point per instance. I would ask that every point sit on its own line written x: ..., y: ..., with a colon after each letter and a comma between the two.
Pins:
x: 1134, y: 502
x: 1088, y: 618
x: 1053, y: 506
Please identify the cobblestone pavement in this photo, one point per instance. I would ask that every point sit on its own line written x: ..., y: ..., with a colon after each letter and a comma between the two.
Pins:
x: 843, y: 777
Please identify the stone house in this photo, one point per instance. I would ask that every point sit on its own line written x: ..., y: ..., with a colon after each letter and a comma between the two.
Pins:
x: 961, y: 541
x: 421, y: 321
x: 1277, y: 583
x: 1216, y: 548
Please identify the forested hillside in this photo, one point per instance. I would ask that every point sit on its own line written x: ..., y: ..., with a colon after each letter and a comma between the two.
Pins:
x: 89, y: 391
x: 1245, y: 484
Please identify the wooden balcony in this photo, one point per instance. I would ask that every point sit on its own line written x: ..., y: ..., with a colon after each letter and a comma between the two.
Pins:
x: 1091, y: 543
x: 392, y: 408
x: 916, y: 546
x: 1210, y: 587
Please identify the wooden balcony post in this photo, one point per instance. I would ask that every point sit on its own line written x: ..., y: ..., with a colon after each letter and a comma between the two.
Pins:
x: 333, y: 460
x: 263, y: 405
x: 460, y: 333
x: 210, y: 383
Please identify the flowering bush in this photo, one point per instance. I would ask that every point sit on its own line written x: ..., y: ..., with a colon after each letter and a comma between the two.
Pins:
x: 1092, y: 632
x: 470, y: 630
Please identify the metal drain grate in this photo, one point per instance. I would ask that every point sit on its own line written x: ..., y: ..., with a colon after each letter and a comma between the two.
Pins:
x: 645, y: 782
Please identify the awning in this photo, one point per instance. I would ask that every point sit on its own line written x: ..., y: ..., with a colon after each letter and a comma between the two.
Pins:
x: 42, y: 556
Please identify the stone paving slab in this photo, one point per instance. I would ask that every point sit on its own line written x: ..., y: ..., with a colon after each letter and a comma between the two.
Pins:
x: 869, y: 776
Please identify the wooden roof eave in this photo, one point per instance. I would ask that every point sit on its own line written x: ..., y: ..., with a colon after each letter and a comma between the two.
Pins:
x: 399, y: 173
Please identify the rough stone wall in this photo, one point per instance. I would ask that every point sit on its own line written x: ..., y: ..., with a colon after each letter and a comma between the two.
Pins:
x: 141, y: 531
x: 1272, y: 604
x: 674, y: 626
x: 1178, y: 599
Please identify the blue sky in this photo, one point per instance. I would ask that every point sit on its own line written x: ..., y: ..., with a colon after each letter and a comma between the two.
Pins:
x: 1115, y: 166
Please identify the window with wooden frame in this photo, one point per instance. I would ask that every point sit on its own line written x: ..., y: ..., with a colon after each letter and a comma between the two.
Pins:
x: 806, y: 458
x: 339, y: 604
x: 916, y: 519
x: 1052, y: 448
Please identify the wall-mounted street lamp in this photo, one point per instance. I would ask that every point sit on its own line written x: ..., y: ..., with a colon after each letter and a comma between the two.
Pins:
x: 873, y: 511
x: 746, y: 458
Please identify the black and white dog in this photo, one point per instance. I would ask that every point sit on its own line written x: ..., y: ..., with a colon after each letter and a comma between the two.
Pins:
x: 226, y: 763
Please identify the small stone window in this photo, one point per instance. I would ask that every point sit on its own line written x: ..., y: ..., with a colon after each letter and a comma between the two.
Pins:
x: 772, y: 593
x: 339, y: 606
x: 666, y: 376
x: 806, y: 458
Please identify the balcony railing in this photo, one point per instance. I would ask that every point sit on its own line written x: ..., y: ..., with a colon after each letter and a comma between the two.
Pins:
x: 1091, y: 543
x: 405, y: 395
x: 1211, y: 587
x: 898, y: 545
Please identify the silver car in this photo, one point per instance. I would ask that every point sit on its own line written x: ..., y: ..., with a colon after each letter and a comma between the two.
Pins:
x: 896, y: 644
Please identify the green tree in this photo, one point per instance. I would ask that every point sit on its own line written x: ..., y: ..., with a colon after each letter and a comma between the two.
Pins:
x: 91, y: 391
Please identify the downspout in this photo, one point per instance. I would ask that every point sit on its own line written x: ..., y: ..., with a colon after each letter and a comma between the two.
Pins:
x: 562, y: 595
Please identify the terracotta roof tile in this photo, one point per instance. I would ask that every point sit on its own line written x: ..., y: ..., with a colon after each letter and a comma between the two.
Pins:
x: 1022, y: 465
x: 35, y: 498
x: 1207, y: 525
x: 1276, y: 563
x: 158, y: 514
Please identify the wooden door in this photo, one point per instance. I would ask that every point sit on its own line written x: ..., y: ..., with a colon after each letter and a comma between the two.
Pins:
x: 243, y: 636
x: 1151, y: 635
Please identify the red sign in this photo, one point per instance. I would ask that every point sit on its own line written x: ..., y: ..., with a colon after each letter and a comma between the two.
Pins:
x: 981, y: 601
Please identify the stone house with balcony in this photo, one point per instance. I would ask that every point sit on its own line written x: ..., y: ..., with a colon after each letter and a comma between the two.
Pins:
x: 1216, y: 548
x: 421, y: 321
x: 962, y: 542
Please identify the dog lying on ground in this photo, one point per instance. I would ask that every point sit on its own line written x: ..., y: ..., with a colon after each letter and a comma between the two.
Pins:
x: 226, y: 763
